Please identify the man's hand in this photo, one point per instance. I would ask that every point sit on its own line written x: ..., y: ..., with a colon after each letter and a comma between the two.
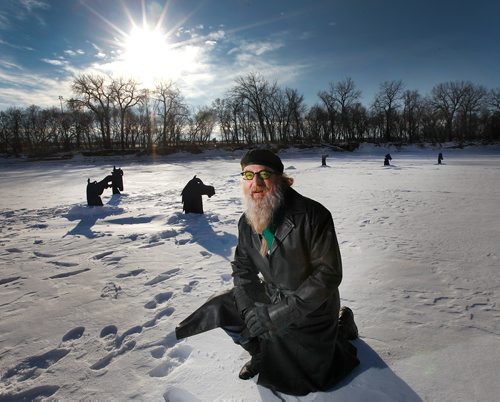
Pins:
x: 258, y: 321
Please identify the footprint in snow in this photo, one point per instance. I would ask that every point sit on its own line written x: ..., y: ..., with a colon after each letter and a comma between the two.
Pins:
x: 34, y: 366
x: 111, y: 290
x: 189, y: 287
x: 64, y: 264
x: 38, y: 226
x: 9, y: 280
x: 32, y: 394
x: 206, y: 254
x: 175, y: 357
x: 43, y: 255
x: 179, y: 394
x: 108, y: 330
x: 14, y: 250
x: 166, y: 312
x: 132, y: 331
x: 118, y: 344
x: 159, y: 352
x: 135, y: 272
x: 163, y: 277
x: 74, y: 334
x: 67, y: 274
x: 158, y: 299
x: 106, y: 360
x: 181, y: 242
x: 102, y: 255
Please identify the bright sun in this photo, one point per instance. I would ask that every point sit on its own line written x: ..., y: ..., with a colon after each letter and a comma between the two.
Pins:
x: 149, y: 57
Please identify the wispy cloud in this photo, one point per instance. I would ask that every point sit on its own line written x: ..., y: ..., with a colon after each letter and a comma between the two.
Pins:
x: 100, y: 54
x: 33, y: 5
x: 247, y: 48
x: 4, y: 21
x: 54, y: 62
x: 9, y: 65
x: 11, y: 45
x: 22, y: 89
x: 31, y: 8
x: 73, y: 53
x: 216, y: 35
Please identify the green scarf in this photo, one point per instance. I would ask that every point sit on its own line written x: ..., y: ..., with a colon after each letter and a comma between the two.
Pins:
x: 270, y: 230
x: 268, y: 234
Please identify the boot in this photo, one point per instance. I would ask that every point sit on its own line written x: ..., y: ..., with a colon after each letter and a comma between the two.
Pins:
x: 347, y: 327
x: 252, y: 367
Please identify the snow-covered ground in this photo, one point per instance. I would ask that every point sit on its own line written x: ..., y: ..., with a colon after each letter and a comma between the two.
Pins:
x: 90, y: 297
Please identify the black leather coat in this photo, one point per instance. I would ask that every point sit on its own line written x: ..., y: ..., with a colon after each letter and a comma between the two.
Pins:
x: 300, y: 278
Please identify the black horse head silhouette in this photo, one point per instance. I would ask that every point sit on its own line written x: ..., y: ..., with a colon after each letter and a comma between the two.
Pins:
x: 191, y: 195
x: 95, y: 188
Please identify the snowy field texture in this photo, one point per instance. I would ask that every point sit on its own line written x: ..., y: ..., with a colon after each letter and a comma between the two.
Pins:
x: 90, y: 297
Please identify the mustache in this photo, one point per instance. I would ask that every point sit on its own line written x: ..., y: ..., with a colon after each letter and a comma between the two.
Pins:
x: 257, y: 189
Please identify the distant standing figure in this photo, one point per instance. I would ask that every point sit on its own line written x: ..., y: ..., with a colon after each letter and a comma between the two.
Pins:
x: 191, y: 195
x: 387, y: 159
x: 323, y: 160
x: 440, y: 158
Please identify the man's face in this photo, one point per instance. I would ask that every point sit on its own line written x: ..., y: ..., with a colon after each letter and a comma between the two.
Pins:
x: 258, y: 188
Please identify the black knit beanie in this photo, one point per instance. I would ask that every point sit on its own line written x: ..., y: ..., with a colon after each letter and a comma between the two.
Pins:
x: 262, y: 157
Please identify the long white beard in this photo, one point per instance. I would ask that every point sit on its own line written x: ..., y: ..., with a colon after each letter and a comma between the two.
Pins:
x: 259, y: 212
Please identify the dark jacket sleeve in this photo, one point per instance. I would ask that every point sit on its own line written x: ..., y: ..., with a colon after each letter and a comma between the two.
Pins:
x: 248, y: 287
x: 326, y: 271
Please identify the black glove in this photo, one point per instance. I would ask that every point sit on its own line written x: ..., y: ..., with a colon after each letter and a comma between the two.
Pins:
x: 258, y: 321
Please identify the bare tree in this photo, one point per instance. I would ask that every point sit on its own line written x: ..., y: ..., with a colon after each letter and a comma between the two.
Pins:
x: 11, y: 130
x: 345, y: 94
x: 295, y: 112
x: 331, y: 111
x: 126, y: 95
x: 259, y: 94
x: 494, y: 100
x: 172, y: 111
x: 359, y: 121
x: 147, y: 121
x: 316, y: 124
x: 202, y: 125
x: 473, y: 100
x: 493, y: 104
x: 387, y: 103
x: 412, y: 111
x: 93, y: 93
x: 281, y: 118
x: 81, y: 126
x: 223, y: 113
x: 446, y: 99
x: 33, y: 127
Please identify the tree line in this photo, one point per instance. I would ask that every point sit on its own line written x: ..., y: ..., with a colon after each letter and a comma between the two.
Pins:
x: 107, y: 113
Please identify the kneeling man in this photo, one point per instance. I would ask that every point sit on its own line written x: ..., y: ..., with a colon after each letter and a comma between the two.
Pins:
x: 284, y: 307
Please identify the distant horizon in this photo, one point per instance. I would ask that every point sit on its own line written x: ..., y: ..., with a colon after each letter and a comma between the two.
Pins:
x: 204, y: 45
x: 366, y: 103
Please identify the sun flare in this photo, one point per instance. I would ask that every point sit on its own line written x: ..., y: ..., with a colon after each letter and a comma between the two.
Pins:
x: 149, y: 57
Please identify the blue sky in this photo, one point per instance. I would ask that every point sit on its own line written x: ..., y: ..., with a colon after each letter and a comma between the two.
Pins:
x: 204, y: 45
